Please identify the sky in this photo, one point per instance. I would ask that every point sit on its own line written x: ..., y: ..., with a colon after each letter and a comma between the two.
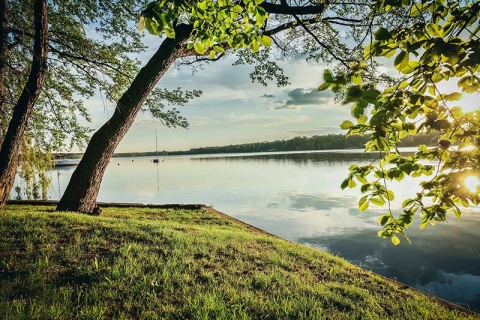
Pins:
x: 232, y: 109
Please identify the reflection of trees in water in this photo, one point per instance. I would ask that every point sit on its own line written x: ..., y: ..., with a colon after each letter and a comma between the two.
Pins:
x: 426, y: 262
x: 298, y: 158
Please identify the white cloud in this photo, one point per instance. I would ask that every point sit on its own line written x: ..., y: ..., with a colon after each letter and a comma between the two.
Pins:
x: 303, y: 97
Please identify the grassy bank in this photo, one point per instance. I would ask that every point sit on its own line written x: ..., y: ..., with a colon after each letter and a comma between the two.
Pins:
x: 157, y: 263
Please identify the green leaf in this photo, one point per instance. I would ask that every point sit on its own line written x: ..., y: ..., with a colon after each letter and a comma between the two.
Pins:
x: 382, y: 144
x: 457, y: 212
x: 434, y: 30
x: 401, y: 60
x: 199, y: 48
x: 471, y: 88
x: 382, y: 34
x: 390, y: 195
x: 335, y: 87
x: 141, y: 24
x: 362, y: 120
x: 361, y: 179
x: 453, y: 96
x: 351, y: 184
x: 346, y: 125
x: 395, y: 240
x: 441, y: 124
x: 219, y: 49
x: 323, y: 86
x: 363, y: 203
x: 265, y: 41
x: 371, y: 95
x: 255, y: 45
x: 358, y: 110
x: 405, y: 236
x: 356, y: 78
x: 418, y: 8
x: 377, y: 201
x: 407, y: 202
x: 153, y: 26
x: 327, y: 76
x: 170, y: 33
x: 384, y: 219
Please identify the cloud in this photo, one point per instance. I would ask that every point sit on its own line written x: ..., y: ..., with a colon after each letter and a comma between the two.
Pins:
x: 287, y: 107
x: 315, y: 131
x: 302, y: 97
x: 267, y: 96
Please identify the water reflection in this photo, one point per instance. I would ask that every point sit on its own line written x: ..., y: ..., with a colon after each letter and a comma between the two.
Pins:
x: 306, y: 202
x: 297, y: 196
x: 322, y: 158
x: 443, y: 262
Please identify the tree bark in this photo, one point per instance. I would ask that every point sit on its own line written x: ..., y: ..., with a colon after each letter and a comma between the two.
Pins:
x: 23, y: 109
x: 84, y: 185
x: 3, y: 63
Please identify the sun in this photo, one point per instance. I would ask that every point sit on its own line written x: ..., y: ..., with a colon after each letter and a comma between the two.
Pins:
x: 472, y: 183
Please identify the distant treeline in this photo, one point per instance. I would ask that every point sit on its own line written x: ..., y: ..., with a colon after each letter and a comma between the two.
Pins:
x: 325, y: 142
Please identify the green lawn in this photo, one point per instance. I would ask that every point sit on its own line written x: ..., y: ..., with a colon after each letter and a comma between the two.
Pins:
x: 140, y: 263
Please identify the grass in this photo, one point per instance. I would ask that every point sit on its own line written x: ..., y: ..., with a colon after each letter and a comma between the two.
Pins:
x: 140, y: 263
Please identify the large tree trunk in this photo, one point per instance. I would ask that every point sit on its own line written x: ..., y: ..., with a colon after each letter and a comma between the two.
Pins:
x: 82, y: 190
x: 3, y: 63
x: 23, y: 109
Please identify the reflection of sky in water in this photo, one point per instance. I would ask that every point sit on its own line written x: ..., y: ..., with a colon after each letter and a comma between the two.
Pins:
x: 442, y: 261
x: 298, y: 197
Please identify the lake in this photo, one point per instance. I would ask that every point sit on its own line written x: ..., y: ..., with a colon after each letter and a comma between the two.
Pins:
x: 297, y: 196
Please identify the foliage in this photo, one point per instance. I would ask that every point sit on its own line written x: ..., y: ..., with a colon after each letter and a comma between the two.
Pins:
x: 315, y: 30
x: 33, y: 170
x: 150, y: 263
x: 437, y: 50
x: 157, y: 99
x: 82, y: 63
x: 91, y: 50
x: 217, y: 24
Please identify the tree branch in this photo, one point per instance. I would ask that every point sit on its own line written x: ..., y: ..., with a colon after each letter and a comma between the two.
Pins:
x: 288, y: 25
x: 283, y: 8
x: 320, y: 42
x: 90, y: 61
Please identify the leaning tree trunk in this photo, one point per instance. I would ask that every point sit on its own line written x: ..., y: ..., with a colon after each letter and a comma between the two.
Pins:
x: 82, y: 190
x: 3, y: 63
x: 23, y: 109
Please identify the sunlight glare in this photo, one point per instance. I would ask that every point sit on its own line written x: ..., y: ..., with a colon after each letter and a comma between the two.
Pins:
x: 472, y: 183
x: 468, y: 148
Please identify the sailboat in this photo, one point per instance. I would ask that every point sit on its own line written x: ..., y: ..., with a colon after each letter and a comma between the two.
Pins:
x: 156, y: 148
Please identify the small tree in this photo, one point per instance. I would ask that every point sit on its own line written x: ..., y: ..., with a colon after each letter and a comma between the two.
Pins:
x: 24, y: 106
x: 81, y: 63
x: 439, y: 45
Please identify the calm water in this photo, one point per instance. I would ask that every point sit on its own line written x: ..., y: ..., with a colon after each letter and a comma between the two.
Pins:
x: 297, y: 196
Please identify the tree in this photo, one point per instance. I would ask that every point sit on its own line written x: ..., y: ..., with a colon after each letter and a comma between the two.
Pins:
x: 3, y: 61
x: 78, y: 66
x: 90, y: 46
x: 435, y: 51
x: 206, y: 31
x: 24, y: 106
